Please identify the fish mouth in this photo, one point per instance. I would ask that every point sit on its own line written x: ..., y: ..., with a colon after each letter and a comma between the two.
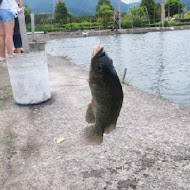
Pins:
x: 97, y: 50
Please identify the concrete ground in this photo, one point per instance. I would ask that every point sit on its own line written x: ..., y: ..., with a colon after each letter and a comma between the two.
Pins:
x: 150, y: 149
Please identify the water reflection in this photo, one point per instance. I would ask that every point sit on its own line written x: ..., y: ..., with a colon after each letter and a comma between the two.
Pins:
x: 159, y: 82
x: 156, y: 62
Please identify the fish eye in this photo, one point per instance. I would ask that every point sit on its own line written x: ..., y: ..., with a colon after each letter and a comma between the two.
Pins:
x: 99, y: 68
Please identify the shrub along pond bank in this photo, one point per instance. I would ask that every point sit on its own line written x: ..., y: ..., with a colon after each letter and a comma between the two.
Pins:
x: 88, y: 26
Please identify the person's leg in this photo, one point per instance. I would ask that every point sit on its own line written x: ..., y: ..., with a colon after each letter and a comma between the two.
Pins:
x: 17, y: 43
x: 2, y: 40
x: 17, y: 50
x: 112, y: 28
x: 9, y: 29
x: 117, y: 25
x: 17, y: 37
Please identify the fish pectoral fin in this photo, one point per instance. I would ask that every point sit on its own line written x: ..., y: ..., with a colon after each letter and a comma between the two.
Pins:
x: 89, y: 136
x: 90, y: 118
x: 110, y: 128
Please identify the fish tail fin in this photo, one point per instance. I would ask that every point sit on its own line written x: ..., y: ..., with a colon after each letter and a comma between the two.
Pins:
x: 89, y: 136
x: 110, y: 128
x: 90, y: 118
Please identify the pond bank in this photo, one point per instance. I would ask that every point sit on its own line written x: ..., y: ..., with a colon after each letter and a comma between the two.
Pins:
x: 150, y: 149
x: 81, y: 33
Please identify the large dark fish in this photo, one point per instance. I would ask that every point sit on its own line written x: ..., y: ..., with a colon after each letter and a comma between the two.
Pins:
x: 107, y: 98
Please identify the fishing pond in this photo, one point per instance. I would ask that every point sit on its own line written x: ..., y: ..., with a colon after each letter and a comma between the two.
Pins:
x: 157, y: 62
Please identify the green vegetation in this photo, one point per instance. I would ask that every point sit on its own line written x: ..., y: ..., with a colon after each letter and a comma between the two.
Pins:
x: 173, y: 7
x: 27, y: 12
x: 105, y: 15
x: 61, y: 13
x: 9, y: 141
x: 171, y: 23
x: 103, y: 2
x: 127, y: 82
x: 187, y: 14
x: 157, y: 13
x: 148, y: 13
x: 82, y: 26
x: 137, y: 16
x: 150, y: 6
x: 66, y: 27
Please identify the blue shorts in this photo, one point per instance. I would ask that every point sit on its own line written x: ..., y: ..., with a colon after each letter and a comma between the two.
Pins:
x: 6, y: 14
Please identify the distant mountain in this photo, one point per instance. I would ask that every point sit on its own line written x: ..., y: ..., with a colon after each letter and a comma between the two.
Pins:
x: 81, y: 7
x: 76, y: 7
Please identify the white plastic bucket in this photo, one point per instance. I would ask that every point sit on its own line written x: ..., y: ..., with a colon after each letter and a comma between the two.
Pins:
x: 29, y: 78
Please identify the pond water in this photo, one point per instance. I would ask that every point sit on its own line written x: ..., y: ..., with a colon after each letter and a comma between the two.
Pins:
x: 157, y: 62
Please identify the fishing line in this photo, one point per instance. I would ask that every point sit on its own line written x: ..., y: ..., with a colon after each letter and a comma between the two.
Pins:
x: 99, y: 29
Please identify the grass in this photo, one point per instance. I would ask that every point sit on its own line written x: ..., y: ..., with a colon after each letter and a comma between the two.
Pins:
x: 9, y: 141
x: 64, y: 57
x: 65, y: 27
x: 127, y: 82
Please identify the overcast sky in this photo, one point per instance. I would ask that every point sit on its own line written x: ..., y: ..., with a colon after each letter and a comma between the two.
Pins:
x: 130, y: 1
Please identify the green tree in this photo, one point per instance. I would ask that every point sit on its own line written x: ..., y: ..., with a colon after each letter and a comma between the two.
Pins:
x: 150, y: 5
x: 174, y: 7
x: 27, y: 12
x: 61, y: 13
x: 138, y: 16
x: 105, y: 15
x: 42, y: 19
x: 103, y: 2
x: 157, y: 13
